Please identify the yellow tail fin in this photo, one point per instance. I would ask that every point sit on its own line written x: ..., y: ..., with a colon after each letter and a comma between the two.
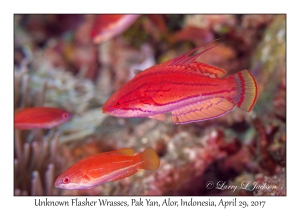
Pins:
x: 150, y: 159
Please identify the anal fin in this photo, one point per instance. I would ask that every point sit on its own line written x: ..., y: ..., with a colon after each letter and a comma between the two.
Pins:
x: 124, y: 175
x: 204, y: 110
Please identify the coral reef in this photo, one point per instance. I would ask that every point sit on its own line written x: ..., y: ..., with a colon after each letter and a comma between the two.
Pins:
x: 64, y: 68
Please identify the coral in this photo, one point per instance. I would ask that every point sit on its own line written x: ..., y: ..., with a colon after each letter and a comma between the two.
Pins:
x: 35, y: 163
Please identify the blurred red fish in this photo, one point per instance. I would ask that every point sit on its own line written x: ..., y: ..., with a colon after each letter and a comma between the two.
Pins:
x: 192, y: 91
x: 106, y: 167
x: 108, y: 26
x: 194, y: 34
x: 40, y: 117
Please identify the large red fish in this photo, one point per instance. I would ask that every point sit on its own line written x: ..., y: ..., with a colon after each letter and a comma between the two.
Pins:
x: 106, y: 167
x: 40, y: 117
x: 192, y: 91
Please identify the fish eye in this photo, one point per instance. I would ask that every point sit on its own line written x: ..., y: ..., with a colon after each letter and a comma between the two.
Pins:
x: 65, y: 115
x: 117, y: 104
x: 66, y: 180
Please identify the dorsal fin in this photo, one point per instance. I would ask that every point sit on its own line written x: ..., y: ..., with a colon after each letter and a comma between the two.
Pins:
x: 123, y: 151
x: 186, y: 58
x: 208, y: 70
x: 202, y: 68
x: 126, y: 151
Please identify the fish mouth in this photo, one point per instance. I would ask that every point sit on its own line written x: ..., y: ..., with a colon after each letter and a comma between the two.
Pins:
x: 57, y: 184
x: 117, y: 112
x: 107, y: 109
x: 104, y: 110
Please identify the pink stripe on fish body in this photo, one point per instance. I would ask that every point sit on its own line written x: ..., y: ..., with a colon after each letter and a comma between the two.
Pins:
x: 190, y: 90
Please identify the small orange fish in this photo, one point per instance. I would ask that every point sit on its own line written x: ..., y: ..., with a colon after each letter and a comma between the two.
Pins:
x: 106, y: 167
x: 40, y: 117
x: 192, y: 91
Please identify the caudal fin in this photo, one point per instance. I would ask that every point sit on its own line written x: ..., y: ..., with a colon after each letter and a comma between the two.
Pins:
x: 246, y: 90
x: 150, y: 159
